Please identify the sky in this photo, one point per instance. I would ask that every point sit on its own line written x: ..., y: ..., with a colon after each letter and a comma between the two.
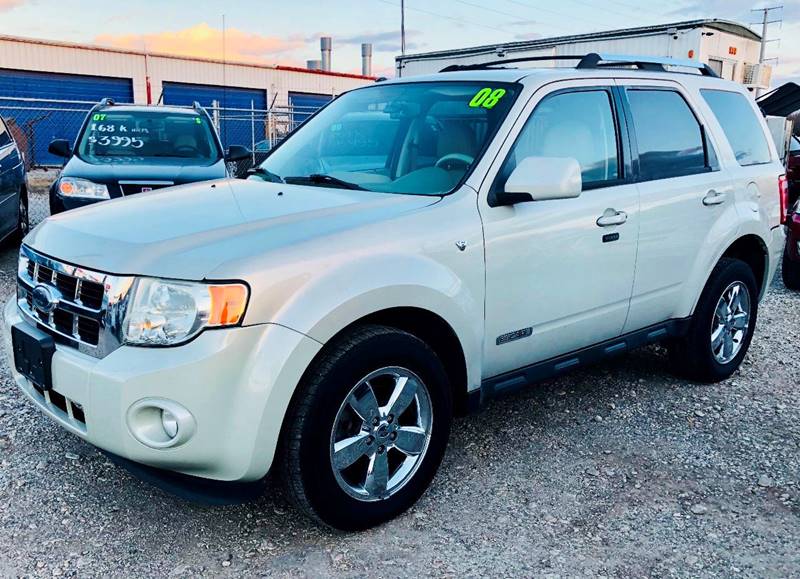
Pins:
x: 282, y: 32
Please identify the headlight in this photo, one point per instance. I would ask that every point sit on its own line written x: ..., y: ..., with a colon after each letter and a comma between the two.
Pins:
x: 72, y: 187
x: 166, y: 313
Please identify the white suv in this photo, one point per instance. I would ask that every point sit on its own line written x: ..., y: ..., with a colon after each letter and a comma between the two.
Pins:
x: 414, y: 249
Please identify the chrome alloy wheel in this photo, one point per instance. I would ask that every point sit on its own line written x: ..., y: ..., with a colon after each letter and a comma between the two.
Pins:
x: 381, y: 433
x: 731, y: 322
x: 23, y: 223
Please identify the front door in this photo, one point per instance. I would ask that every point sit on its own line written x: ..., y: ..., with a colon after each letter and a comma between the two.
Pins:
x: 559, y: 273
x: 9, y: 164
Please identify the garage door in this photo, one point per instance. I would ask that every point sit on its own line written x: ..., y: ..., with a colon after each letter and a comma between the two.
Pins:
x: 36, y: 123
x: 239, y: 125
x: 305, y: 104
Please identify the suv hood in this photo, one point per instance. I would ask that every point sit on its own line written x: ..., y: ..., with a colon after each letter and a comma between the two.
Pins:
x: 187, y: 232
x: 178, y: 171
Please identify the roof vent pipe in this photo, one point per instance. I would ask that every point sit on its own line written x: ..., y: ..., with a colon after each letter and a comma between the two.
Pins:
x: 325, y: 45
x: 366, y: 59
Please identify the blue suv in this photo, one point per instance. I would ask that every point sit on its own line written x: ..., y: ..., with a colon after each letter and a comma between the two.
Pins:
x: 123, y: 150
x: 13, y: 188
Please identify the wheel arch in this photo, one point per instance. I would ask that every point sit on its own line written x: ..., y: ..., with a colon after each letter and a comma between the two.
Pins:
x: 752, y: 250
x: 432, y: 329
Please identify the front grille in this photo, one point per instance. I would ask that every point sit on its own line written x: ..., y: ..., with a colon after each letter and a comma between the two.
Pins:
x: 85, y: 307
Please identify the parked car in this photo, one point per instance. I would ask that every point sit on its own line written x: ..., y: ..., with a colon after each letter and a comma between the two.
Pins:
x: 14, y: 220
x: 326, y: 317
x: 793, y: 171
x: 123, y: 150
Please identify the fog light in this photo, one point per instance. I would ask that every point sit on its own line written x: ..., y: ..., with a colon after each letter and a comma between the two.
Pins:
x: 160, y: 423
x: 169, y: 422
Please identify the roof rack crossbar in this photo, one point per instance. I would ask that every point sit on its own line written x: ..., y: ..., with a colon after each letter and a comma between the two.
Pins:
x: 596, y: 60
x: 654, y: 63
x: 498, y: 63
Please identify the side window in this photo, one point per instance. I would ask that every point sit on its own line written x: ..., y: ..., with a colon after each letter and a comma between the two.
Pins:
x: 5, y: 137
x: 576, y: 124
x: 741, y: 126
x: 670, y: 140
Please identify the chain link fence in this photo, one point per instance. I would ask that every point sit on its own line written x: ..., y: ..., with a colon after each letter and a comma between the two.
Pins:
x: 35, y: 123
x: 257, y: 129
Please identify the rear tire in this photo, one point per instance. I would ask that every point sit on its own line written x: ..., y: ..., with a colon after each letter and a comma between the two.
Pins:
x: 722, y: 325
x: 790, y: 271
x: 347, y: 401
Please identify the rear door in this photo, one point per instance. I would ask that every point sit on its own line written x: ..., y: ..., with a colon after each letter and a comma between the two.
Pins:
x: 687, y: 205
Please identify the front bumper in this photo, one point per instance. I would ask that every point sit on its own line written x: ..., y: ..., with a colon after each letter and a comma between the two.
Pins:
x: 236, y: 383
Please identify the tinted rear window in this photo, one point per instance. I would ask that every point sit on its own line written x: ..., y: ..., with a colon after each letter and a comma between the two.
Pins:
x: 668, y: 135
x: 741, y: 126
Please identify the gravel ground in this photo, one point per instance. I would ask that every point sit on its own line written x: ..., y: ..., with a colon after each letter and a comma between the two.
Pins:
x: 618, y: 470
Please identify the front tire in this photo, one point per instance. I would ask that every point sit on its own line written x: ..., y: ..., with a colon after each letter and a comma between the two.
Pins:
x: 722, y: 325
x: 367, y: 429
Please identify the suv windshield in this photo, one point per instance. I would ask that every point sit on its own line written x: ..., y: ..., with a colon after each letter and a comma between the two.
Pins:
x: 419, y: 138
x: 140, y: 134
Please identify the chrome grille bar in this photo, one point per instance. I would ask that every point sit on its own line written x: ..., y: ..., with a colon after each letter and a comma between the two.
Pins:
x: 89, y: 316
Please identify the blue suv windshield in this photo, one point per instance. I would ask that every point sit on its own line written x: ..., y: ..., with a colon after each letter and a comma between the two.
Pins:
x: 416, y: 138
x: 146, y: 134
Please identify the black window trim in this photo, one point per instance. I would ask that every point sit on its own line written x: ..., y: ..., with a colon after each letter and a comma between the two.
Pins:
x: 708, y: 146
x: 6, y: 131
x: 706, y: 89
x: 620, y: 127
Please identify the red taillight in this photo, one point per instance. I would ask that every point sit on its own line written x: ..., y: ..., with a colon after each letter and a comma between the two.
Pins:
x: 783, y: 191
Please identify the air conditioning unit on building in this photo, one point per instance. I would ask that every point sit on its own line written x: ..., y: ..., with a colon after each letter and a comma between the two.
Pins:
x: 757, y: 75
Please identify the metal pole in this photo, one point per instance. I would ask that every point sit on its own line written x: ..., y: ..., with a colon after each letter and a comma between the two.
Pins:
x: 215, y: 114
x: 765, y: 22
x: 253, y: 130
x: 402, y: 27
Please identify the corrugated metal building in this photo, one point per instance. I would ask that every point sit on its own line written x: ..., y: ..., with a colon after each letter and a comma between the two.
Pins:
x: 90, y: 67
x: 46, y: 88
x: 728, y: 47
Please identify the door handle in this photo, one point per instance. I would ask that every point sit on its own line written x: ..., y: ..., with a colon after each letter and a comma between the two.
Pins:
x: 714, y: 198
x: 611, y: 217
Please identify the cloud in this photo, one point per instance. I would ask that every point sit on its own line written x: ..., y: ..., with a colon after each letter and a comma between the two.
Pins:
x: 386, y: 41
x: 9, y: 4
x: 527, y: 36
x: 204, y: 41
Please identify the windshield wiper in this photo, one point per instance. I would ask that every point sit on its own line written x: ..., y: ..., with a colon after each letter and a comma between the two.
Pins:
x: 266, y: 173
x: 320, y: 179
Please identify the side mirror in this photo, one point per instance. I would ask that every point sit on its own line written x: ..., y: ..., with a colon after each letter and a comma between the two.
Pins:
x: 541, y: 179
x: 60, y: 148
x: 237, y: 153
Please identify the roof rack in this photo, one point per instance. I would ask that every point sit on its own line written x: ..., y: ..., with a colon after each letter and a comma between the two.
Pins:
x: 596, y: 60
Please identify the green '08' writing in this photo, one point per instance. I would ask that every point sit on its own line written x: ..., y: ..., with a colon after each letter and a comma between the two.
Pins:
x: 487, y: 98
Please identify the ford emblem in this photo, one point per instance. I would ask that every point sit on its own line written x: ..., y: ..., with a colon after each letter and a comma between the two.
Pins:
x: 44, y: 299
